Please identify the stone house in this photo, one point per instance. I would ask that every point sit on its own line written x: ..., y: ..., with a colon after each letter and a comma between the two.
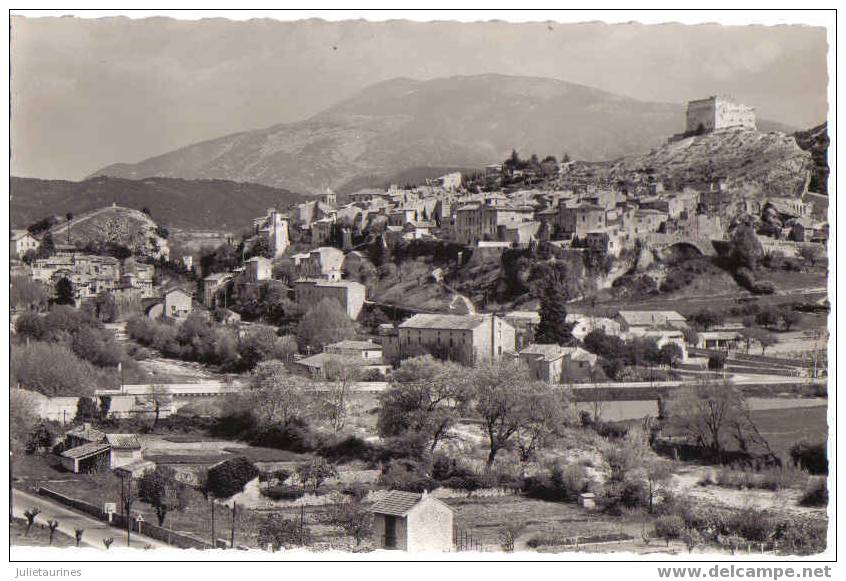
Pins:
x: 411, y: 522
x: 274, y: 228
x: 579, y: 219
x: 20, y: 242
x: 124, y: 449
x: 557, y: 364
x: 174, y: 304
x: 467, y: 339
x: 349, y: 294
x: 213, y: 285
x: 634, y: 320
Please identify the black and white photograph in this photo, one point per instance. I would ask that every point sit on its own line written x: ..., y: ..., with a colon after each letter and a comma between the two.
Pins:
x: 363, y: 288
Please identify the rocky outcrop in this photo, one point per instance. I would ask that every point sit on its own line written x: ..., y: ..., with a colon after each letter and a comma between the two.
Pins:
x: 752, y: 162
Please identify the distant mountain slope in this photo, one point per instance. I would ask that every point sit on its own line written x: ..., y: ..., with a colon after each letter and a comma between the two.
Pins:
x: 815, y: 140
x: 403, y: 123
x: 200, y: 204
x: 753, y: 162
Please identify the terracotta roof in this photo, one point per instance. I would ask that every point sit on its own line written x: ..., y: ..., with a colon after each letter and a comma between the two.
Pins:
x: 123, y: 441
x: 86, y: 450
x: 397, y: 503
x: 650, y: 317
x: 87, y: 433
x: 438, y: 321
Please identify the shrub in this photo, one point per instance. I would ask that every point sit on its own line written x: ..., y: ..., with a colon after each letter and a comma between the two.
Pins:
x: 283, y: 492
x: 281, y: 532
x: 752, y: 524
x: 745, y: 278
x: 349, y: 449
x: 229, y: 477
x: 803, y: 537
x: 810, y: 456
x: 766, y: 478
x: 816, y: 494
x: 763, y: 287
x: 669, y: 527
x: 717, y: 361
x: 406, y: 475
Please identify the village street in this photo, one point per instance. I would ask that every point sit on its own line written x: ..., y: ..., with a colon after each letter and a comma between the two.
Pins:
x: 95, y: 531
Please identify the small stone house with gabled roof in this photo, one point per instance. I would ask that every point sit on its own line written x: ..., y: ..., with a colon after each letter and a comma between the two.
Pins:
x: 407, y: 521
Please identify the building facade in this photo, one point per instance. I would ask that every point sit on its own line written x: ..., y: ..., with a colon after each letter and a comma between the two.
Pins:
x: 718, y: 112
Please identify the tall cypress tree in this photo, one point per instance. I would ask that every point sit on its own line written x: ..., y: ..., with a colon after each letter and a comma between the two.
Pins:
x: 553, y: 326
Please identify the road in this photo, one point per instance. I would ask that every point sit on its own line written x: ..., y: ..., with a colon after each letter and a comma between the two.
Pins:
x: 69, y: 520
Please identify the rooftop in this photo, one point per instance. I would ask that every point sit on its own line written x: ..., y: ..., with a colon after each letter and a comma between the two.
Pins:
x: 397, y: 503
x: 123, y: 441
x: 86, y: 450
x: 440, y: 321
x: 650, y: 317
x: 355, y: 345
x: 86, y: 432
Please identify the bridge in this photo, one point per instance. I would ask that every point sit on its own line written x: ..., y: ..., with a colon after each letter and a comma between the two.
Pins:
x: 703, y: 245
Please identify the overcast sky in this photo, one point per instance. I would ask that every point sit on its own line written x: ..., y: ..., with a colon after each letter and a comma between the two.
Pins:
x: 88, y: 93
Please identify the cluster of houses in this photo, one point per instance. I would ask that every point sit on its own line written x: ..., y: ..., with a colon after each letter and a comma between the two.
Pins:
x: 89, y: 274
x: 88, y: 449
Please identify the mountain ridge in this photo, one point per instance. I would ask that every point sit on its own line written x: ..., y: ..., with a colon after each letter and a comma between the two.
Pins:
x: 401, y: 123
x: 189, y: 204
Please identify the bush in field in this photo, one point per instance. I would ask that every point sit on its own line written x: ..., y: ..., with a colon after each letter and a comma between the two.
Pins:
x: 802, y: 537
x: 407, y: 475
x: 353, y: 518
x: 816, y: 494
x: 283, y: 492
x: 162, y: 491
x: 560, y: 484
x: 810, y: 456
x: 281, y: 533
x: 717, y: 361
x: 229, y: 477
x: 669, y: 527
x: 752, y: 524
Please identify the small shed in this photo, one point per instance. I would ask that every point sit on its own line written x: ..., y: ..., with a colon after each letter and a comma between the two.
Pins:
x: 125, y: 449
x: 412, y: 522
x: 89, y: 457
x: 135, y: 469
x: 587, y: 500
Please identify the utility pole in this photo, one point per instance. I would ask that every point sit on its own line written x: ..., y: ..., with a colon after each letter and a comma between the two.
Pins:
x: 128, y: 511
x: 213, y: 539
x: 232, y: 538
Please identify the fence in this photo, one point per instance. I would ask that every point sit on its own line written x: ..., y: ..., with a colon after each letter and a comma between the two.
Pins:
x: 462, y: 540
x: 119, y: 520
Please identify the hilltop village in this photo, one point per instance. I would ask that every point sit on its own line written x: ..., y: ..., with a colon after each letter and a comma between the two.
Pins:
x: 519, y: 358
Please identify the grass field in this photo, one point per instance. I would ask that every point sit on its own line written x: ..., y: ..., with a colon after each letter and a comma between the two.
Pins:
x: 485, y: 519
x: 783, y: 428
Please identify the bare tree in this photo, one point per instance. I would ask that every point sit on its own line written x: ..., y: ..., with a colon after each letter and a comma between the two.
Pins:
x: 30, y: 518
x: 158, y: 397
x: 341, y: 373
x: 709, y: 412
x: 52, y: 525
